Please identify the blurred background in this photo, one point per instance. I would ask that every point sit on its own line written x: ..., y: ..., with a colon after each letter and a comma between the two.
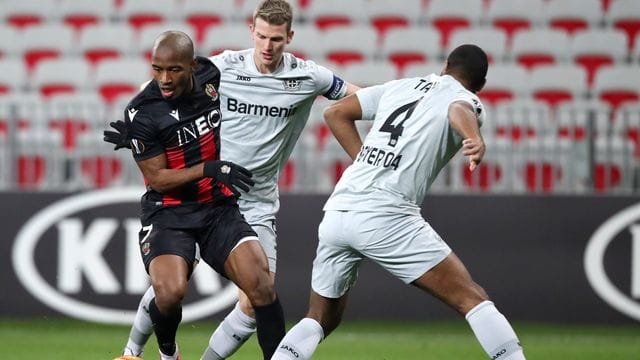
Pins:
x: 562, y: 92
x: 547, y: 224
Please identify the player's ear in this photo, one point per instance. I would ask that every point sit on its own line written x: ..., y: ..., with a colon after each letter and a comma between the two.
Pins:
x: 194, y: 64
x: 290, y: 36
x: 444, y: 68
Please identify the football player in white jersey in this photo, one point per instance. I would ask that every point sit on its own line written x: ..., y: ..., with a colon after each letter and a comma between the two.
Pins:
x: 266, y: 95
x: 374, y: 211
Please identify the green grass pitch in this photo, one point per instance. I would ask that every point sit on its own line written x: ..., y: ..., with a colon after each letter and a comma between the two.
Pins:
x: 63, y: 339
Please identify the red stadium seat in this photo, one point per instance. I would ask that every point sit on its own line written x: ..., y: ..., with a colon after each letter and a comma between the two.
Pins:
x: 25, y: 13
x: 327, y: 14
x: 612, y: 170
x: 56, y: 77
x: 304, y: 44
x: 405, y: 46
x: 369, y: 73
x: 201, y: 15
x: 505, y: 82
x: 14, y: 76
x: 105, y: 42
x: 142, y: 13
x: 627, y: 125
x: 625, y: 15
x: 532, y: 48
x: 448, y: 16
x: 122, y: 77
x: 45, y: 42
x: 491, y: 40
x: 521, y: 120
x: 573, y: 15
x: 512, y: 16
x: 235, y: 36
x: 80, y: 14
x: 556, y: 84
x: 10, y: 42
x: 572, y: 120
x: 617, y: 85
x: 345, y: 45
x: 385, y: 15
x: 593, y: 49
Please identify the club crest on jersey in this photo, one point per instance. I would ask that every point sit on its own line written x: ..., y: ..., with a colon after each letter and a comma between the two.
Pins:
x: 292, y: 84
x: 210, y: 90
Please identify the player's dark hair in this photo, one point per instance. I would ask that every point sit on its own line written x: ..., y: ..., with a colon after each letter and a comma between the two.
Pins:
x: 274, y: 12
x: 469, y: 63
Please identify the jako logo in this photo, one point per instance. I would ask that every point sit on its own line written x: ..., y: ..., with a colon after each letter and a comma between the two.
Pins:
x: 81, y: 240
x: 594, y: 261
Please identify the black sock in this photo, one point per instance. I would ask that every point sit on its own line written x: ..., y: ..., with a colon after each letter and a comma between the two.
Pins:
x: 165, y: 327
x: 270, y: 327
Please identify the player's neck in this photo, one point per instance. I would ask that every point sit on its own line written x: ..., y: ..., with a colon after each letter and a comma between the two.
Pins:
x: 266, y: 69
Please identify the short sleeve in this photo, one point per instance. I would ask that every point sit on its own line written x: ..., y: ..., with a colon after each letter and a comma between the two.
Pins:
x: 475, y: 103
x: 369, y: 98
x: 330, y: 85
x: 145, y: 143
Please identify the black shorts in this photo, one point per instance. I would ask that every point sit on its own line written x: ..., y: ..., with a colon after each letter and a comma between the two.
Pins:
x: 223, y: 229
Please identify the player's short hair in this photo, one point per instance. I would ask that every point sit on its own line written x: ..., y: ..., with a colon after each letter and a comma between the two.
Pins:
x: 177, y: 41
x: 470, y: 63
x: 274, y: 12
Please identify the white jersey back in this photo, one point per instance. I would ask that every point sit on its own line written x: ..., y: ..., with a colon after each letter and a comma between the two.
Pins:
x: 409, y: 143
x: 264, y: 114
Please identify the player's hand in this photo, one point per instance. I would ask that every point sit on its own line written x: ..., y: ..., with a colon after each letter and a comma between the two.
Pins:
x: 121, y: 138
x: 232, y: 175
x: 474, y: 149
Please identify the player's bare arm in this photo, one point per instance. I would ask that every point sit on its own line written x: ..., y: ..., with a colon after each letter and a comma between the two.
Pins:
x: 164, y: 180
x: 340, y: 117
x: 351, y: 89
x: 462, y: 119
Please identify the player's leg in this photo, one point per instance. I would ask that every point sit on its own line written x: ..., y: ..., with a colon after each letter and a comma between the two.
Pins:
x: 302, y: 339
x: 142, y: 327
x: 168, y: 255
x: 169, y: 274
x: 335, y: 270
x: 450, y: 282
x: 247, y: 267
x: 238, y: 326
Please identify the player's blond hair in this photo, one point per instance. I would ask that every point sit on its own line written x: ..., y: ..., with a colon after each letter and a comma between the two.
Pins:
x: 274, y: 12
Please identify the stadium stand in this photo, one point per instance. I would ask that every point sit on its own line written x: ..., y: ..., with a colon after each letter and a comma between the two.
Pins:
x: 581, y: 58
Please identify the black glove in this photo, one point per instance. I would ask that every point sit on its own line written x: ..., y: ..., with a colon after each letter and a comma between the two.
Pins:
x: 230, y: 174
x: 121, y: 138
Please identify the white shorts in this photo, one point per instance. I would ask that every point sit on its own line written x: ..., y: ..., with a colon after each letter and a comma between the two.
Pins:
x: 263, y: 223
x: 405, y: 245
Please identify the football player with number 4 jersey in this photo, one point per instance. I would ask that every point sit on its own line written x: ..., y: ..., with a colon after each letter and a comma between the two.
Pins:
x: 266, y: 96
x: 374, y: 210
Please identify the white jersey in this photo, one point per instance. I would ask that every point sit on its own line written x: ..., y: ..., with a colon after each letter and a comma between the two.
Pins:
x: 264, y: 114
x: 409, y: 143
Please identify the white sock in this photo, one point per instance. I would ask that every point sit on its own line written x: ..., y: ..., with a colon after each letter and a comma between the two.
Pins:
x: 175, y: 356
x: 493, y: 331
x: 301, y: 341
x: 142, y: 327
x: 232, y: 332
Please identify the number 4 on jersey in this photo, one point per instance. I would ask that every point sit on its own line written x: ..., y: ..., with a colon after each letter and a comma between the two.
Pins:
x: 396, y: 130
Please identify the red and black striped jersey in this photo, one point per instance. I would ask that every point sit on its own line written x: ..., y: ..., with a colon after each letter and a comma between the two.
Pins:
x: 187, y: 131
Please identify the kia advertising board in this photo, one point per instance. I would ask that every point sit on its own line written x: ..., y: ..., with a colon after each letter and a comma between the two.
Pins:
x: 570, y: 259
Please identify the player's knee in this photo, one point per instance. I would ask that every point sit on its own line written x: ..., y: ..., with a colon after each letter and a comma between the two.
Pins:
x: 169, y: 293
x: 262, y: 293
